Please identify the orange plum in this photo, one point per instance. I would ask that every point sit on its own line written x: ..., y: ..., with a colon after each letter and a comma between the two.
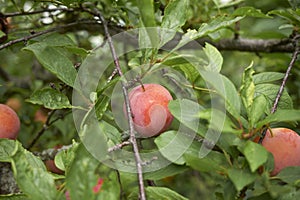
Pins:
x: 284, y: 144
x: 9, y: 122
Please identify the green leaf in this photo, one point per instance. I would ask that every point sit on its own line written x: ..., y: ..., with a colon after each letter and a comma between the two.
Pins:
x: 170, y: 170
x: 182, y: 59
x: 293, y: 16
x: 267, y: 77
x: 249, y: 11
x: 187, y: 112
x: 95, y: 143
x: 175, y: 15
x: 148, y: 40
x: 101, y: 105
x: 7, y: 149
x: 215, y: 59
x: 50, y: 98
x: 14, y: 197
x: 216, y: 117
x: 64, y: 159
x: 255, y: 154
x: 291, y: 194
x: 248, y: 88
x: 226, y: 89
x: 227, y: 141
x: 53, y: 59
x: 154, y: 193
x: 216, y: 24
x: 110, y: 188
x: 58, y: 40
x: 212, y: 162
x: 281, y: 116
x: 111, y: 132
x: 290, y: 175
x: 172, y: 145
x: 241, y: 178
x: 148, y: 33
x: 270, y: 92
x: 225, y: 4
x: 81, y: 177
x: 32, y: 177
x: 77, y: 51
x: 205, y: 29
x: 190, y: 72
x: 258, y: 108
x: 146, y: 9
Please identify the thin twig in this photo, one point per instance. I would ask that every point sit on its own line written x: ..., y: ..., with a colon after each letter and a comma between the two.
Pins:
x: 47, y: 124
x: 281, y: 89
x: 118, y: 146
x: 132, y: 138
x: 120, y: 184
x: 37, y: 34
x: 287, y: 73
x: 115, y: 72
x: 42, y: 130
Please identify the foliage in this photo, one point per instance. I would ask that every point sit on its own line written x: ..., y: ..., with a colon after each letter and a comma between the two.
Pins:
x: 222, y: 99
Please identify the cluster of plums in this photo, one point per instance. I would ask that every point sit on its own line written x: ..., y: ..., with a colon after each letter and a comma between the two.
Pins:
x: 149, y: 104
x: 151, y: 116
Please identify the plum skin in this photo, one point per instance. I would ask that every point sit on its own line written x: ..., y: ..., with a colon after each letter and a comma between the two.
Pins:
x: 284, y: 144
x: 149, y: 107
x: 9, y: 122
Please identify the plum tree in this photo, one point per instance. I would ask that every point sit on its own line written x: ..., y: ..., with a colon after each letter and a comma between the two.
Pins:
x: 149, y: 106
x: 284, y: 144
x: 9, y: 122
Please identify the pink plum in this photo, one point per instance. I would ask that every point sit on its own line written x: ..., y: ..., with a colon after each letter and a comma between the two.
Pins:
x: 149, y: 106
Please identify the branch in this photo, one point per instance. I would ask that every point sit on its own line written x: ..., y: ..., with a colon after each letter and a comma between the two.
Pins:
x: 46, y: 126
x: 241, y: 44
x: 36, y: 34
x: 42, y: 130
x: 287, y: 73
x: 132, y: 138
x: 253, y: 45
x: 118, y: 146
